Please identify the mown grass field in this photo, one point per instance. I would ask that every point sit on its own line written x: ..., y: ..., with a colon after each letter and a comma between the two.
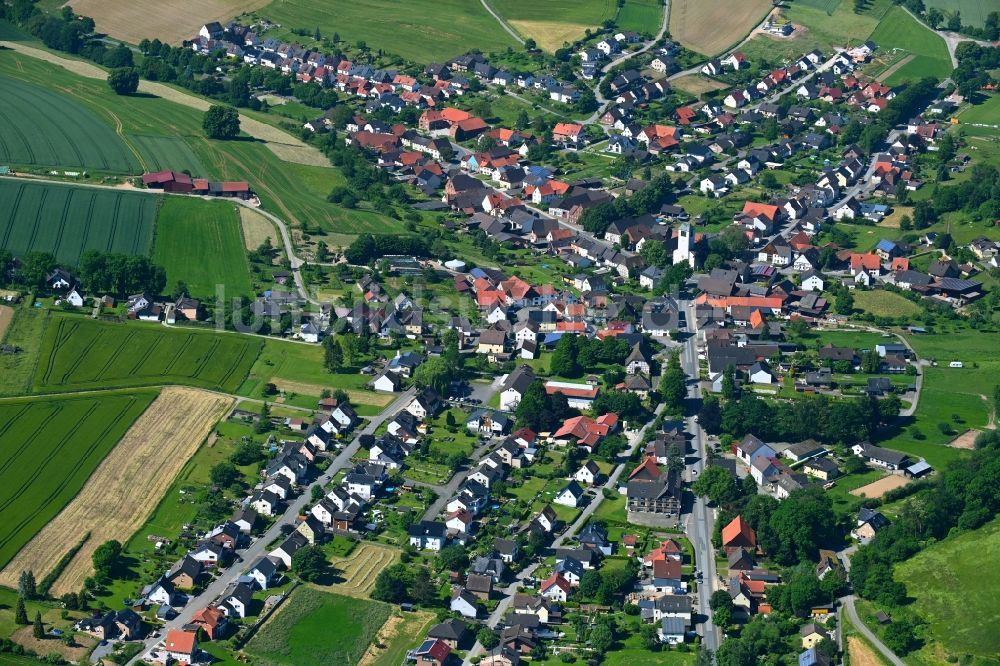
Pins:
x: 314, y: 627
x: 419, y: 30
x: 973, y: 11
x: 956, y: 590
x: 44, y: 128
x: 643, y: 16
x: 885, y: 304
x: 899, y: 30
x: 50, y: 447
x: 712, y: 27
x: 295, y: 192
x: 986, y: 112
x: 67, y: 220
x: 201, y: 243
x: 80, y: 353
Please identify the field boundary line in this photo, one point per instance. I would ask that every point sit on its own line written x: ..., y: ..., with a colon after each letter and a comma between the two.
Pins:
x: 38, y: 218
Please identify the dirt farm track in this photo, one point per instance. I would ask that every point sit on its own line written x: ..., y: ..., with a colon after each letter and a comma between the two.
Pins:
x: 125, y: 488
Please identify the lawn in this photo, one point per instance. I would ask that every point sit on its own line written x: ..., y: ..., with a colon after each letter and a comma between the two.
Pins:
x: 986, y: 112
x: 51, y: 446
x: 201, y: 243
x: 45, y: 129
x: 418, y: 30
x: 956, y: 593
x: 899, y: 30
x: 81, y: 353
x: 65, y: 220
x: 314, y: 627
x: 883, y: 303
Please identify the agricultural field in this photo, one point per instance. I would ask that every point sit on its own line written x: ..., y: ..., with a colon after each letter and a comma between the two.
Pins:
x: 200, y: 243
x: 256, y: 228
x: 81, y: 353
x: 297, y: 192
x: 711, y: 28
x: 419, y: 30
x: 51, y: 446
x: 66, y: 220
x: 24, y: 331
x: 974, y: 12
x: 899, y: 30
x: 986, y: 112
x: 171, y: 21
x: 554, y: 22
x: 166, y: 153
x: 697, y: 84
x: 314, y: 627
x: 644, y: 16
x: 956, y: 593
x: 45, y: 129
x: 125, y: 488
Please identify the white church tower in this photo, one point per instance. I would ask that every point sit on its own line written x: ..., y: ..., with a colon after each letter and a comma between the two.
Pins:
x: 683, y: 252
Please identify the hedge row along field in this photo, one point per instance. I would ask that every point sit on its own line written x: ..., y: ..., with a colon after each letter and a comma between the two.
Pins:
x: 201, y: 243
x: 80, y: 353
x: 66, y: 220
x: 49, y: 448
x: 44, y: 128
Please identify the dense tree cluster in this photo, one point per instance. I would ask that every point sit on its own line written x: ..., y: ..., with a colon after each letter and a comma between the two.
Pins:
x: 575, y: 355
x: 979, y: 196
x: 367, y: 247
x: 120, y: 274
x: 540, y: 411
x: 596, y: 220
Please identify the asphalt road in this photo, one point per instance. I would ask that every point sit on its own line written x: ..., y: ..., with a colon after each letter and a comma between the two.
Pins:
x: 259, y: 546
x: 700, y: 524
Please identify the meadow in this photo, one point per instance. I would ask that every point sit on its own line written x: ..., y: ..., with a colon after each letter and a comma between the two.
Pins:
x: 81, y: 353
x: 885, y: 304
x: 554, y: 22
x: 200, y: 243
x: 44, y: 128
x: 956, y: 593
x: 51, y: 446
x: 66, y: 220
x: 973, y: 11
x: 418, y: 30
x: 644, y: 16
x: 314, y: 627
x: 711, y: 28
x: 899, y: 30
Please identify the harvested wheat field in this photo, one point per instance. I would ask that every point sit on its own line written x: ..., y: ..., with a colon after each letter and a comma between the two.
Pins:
x: 285, y: 146
x: 125, y: 488
x: 549, y: 35
x: 170, y: 20
x: 878, y: 488
x: 360, y: 568
x: 398, y: 632
x: 861, y: 654
x: 256, y: 228
x: 712, y: 27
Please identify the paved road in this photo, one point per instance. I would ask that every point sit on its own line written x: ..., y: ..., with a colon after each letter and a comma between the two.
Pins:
x: 259, y: 545
x: 700, y: 524
x: 847, y: 603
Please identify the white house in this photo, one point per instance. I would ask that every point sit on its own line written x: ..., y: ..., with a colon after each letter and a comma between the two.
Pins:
x: 570, y: 495
x: 588, y: 473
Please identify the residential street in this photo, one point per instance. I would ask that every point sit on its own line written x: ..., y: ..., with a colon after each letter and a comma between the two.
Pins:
x: 701, y: 523
x: 259, y: 546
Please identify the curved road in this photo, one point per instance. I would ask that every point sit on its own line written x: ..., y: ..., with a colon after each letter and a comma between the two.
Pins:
x: 848, y: 602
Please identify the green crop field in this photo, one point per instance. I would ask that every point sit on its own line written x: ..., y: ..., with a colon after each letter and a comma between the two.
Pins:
x: 44, y: 128
x: 50, y: 447
x: 885, y: 304
x: 957, y: 592
x: 201, y: 243
x: 162, y: 153
x: 419, y: 30
x: 973, y: 11
x: 80, y: 353
x: 66, y: 220
x: 899, y: 30
x: 295, y: 192
x: 315, y: 627
x: 641, y: 16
